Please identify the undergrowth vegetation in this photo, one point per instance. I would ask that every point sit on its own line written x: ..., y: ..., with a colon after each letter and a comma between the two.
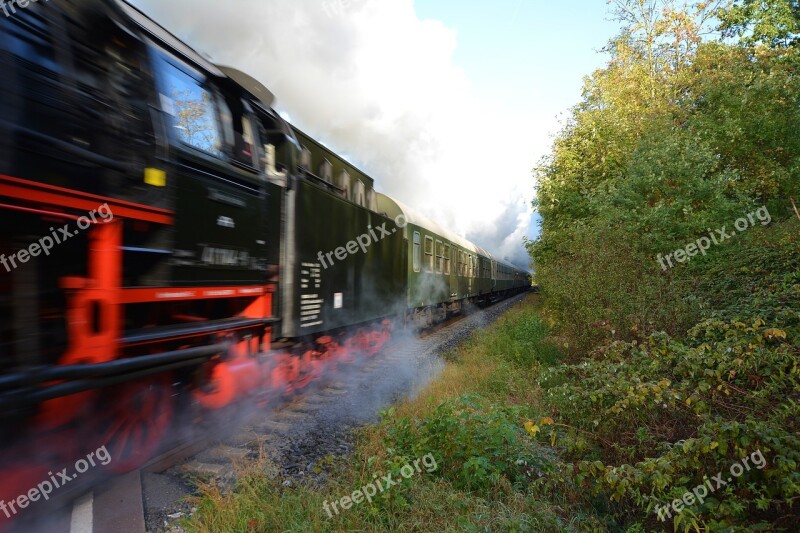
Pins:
x: 628, y: 395
x: 678, y: 368
x: 666, y: 413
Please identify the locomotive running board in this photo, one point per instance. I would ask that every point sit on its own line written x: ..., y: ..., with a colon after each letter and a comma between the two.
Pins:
x: 25, y: 388
x: 42, y: 194
x: 152, y: 335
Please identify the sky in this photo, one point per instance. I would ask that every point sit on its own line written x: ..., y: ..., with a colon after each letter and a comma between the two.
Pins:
x: 447, y: 104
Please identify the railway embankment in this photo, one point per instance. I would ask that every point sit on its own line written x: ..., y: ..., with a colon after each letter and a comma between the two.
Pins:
x: 304, y: 444
x: 451, y: 454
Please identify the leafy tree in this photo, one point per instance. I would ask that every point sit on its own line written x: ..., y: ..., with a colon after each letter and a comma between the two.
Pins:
x: 674, y: 136
x: 775, y: 23
x: 747, y: 107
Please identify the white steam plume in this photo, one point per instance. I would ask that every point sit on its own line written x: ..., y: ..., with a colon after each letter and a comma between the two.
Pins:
x: 378, y: 85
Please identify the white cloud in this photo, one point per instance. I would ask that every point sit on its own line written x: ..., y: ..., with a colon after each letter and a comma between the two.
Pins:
x: 374, y: 82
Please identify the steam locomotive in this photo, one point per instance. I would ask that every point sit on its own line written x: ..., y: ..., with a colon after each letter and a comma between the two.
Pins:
x: 166, y: 237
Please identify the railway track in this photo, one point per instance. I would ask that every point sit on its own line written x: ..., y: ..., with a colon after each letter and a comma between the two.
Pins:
x: 294, y: 436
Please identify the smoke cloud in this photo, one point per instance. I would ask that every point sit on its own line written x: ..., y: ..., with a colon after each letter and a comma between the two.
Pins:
x: 379, y: 85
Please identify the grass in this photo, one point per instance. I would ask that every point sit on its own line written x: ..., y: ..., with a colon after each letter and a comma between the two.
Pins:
x: 496, y: 369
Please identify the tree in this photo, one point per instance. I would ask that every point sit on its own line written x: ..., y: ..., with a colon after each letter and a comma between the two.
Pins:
x: 675, y: 135
x: 666, y: 32
x: 774, y: 23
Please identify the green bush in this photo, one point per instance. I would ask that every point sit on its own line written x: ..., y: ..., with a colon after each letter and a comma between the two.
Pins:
x: 477, y: 444
x: 522, y: 342
x: 662, y: 413
x: 602, y: 288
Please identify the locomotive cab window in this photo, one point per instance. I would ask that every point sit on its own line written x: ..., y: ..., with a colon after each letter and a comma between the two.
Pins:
x: 244, y: 146
x: 240, y: 140
x: 417, y: 254
x: 428, y: 254
x: 191, y: 105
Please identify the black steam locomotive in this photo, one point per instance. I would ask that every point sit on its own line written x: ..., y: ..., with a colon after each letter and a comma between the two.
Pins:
x: 162, y: 229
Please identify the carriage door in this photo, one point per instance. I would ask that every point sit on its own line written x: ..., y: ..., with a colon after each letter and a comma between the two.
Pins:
x: 448, y: 272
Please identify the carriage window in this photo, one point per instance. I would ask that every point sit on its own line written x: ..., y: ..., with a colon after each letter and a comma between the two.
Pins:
x: 326, y: 171
x: 447, y: 253
x: 360, y: 194
x: 417, y: 255
x: 439, y: 257
x: 428, y: 254
x: 305, y: 159
x: 192, y: 108
x: 344, y: 183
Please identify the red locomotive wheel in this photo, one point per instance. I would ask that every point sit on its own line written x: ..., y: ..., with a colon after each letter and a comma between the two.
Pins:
x: 135, y: 422
x: 310, y: 370
x: 284, y: 373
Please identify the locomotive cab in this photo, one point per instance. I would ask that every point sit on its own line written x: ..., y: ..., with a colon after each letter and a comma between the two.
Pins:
x: 106, y: 113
